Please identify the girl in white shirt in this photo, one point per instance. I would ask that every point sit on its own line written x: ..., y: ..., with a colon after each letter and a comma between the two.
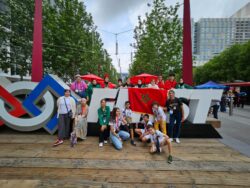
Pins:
x: 153, y: 85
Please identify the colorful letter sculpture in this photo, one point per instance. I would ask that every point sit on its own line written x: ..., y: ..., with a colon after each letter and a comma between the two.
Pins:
x: 28, y: 106
x: 40, y: 104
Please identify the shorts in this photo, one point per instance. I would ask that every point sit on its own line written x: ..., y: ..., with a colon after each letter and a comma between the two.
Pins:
x: 147, y: 136
x: 142, y: 131
x: 161, y: 140
x: 128, y: 119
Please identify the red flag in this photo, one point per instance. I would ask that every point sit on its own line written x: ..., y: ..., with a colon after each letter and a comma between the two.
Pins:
x: 141, y: 99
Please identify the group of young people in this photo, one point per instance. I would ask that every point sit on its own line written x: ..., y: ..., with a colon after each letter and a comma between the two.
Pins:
x: 119, y: 128
x: 118, y: 125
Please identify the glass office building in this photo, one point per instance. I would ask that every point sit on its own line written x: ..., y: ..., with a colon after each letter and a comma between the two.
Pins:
x: 213, y: 35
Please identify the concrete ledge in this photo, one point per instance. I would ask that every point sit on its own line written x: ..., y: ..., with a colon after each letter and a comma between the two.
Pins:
x: 214, y: 122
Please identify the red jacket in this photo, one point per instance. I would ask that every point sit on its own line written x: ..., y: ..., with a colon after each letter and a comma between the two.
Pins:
x: 110, y: 86
x: 161, y: 84
x: 169, y: 84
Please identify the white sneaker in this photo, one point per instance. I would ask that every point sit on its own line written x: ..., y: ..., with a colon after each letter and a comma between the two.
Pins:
x: 100, y: 144
x: 177, y: 140
x: 160, y: 149
x: 171, y: 139
x: 105, y: 141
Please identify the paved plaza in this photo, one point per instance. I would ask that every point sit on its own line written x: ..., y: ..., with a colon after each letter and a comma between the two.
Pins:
x: 235, y: 129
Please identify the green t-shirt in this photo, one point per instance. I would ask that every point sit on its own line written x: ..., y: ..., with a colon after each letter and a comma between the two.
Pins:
x: 104, y: 116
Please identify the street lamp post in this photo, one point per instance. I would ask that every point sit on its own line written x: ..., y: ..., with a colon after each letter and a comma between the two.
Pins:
x: 117, y: 46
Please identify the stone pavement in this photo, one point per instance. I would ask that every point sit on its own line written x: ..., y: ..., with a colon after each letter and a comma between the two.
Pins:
x: 235, y: 129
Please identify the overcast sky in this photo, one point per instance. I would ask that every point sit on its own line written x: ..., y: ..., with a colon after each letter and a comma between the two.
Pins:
x: 121, y: 15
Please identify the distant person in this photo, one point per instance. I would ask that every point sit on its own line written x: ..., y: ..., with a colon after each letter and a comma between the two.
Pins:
x: 236, y: 99
x: 117, y: 136
x: 176, y: 111
x: 79, y: 86
x: 230, y: 96
x: 243, y: 98
x: 66, y: 112
x: 128, y: 83
x: 182, y: 85
x: 158, y: 140
x: 91, y: 86
x: 223, y: 102
x: 215, y: 105
x: 160, y: 119
x: 120, y: 84
x: 153, y: 85
x: 160, y: 83
x: 139, y: 84
x: 107, y: 83
x: 103, y: 120
x: 170, y: 83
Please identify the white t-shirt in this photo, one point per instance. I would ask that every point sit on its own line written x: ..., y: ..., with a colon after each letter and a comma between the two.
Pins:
x: 127, y: 113
x: 62, y: 106
x: 158, y: 134
x: 159, y: 114
x: 145, y: 126
x: 153, y: 86
x: 116, y: 124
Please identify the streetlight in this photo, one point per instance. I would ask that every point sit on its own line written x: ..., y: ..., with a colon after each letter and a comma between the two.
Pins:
x: 116, y: 44
x: 116, y: 37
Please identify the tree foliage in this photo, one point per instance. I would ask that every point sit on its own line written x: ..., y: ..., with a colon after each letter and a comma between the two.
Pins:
x: 158, y: 41
x: 16, y: 31
x: 71, y: 43
x: 231, y: 64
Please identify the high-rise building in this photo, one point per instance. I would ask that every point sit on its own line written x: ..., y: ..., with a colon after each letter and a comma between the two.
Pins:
x: 213, y: 35
x: 244, y: 12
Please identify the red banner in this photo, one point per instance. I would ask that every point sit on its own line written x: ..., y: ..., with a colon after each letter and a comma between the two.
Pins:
x: 141, y: 99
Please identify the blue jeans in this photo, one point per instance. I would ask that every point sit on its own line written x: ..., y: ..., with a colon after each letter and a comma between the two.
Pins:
x: 174, y: 117
x: 116, y: 142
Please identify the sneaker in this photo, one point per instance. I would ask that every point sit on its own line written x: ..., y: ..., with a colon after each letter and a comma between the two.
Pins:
x: 160, y: 149
x: 58, y: 142
x: 177, y: 140
x: 132, y: 143
x: 170, y: 159
x: 100, y: 144
x: 105, y: 141
x: 171, y: 139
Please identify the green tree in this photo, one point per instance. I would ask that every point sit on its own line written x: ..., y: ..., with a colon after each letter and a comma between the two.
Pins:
x: 71, y: 43
x: 158, y: 41
x: 231, y: 64
x: 16, y: 28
